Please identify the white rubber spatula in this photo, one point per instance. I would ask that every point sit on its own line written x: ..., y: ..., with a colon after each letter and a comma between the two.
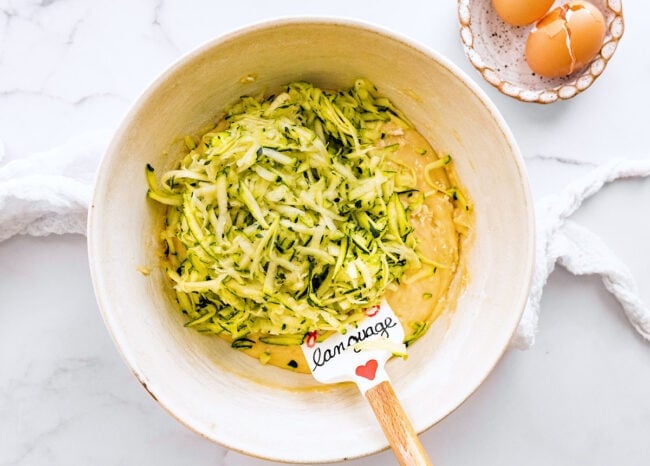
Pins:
x: 359, y: 356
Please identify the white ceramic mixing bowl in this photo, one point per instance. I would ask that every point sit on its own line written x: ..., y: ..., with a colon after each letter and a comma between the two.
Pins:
x: 227, y: 396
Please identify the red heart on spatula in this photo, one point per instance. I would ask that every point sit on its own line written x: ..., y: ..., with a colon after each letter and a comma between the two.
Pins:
x: 367, y: 370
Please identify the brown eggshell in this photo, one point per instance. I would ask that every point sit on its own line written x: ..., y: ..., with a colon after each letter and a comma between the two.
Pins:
x: 521, y: 12
x: 547, y: 49
x: 587, y: 31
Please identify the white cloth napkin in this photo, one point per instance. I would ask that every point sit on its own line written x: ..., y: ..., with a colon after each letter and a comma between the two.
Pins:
x: 580, y: 251
x: 49, y: 192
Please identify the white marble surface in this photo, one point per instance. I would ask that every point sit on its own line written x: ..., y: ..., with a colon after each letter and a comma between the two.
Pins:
x: 579, y: 396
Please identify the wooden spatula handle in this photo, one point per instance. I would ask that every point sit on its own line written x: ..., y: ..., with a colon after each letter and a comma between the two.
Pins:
x: 396, y: 426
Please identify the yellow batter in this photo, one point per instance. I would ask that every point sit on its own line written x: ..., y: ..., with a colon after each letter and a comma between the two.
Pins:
x: 204, y: 266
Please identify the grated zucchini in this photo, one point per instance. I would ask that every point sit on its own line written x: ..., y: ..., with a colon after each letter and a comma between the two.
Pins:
x: 290, y: 216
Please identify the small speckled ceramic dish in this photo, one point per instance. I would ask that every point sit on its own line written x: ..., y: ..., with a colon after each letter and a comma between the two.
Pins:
x: 496, y: 49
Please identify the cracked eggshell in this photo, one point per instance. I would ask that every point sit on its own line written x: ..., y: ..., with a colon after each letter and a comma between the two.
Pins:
x: 565, y: 40
x: 497, y: 50
x: 587, y: 26
x: 547, y: 48
x: 521, y: 12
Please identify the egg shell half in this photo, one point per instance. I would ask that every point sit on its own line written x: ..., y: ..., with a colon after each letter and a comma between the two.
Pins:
x: 521, y: 12
x: 587, y: 28
x: 547, y: 47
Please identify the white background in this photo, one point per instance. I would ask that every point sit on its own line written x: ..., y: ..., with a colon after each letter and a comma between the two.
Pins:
x: 581, y: 395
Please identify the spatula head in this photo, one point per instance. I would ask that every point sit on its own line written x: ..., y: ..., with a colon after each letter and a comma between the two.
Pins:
x: 359, y: 354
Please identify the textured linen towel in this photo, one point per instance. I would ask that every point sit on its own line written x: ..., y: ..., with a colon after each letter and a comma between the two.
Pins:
x: 49, y: 192
x: 580, y: 251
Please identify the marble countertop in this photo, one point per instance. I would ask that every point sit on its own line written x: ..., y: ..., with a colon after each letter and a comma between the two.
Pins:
x: 579, y: 396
